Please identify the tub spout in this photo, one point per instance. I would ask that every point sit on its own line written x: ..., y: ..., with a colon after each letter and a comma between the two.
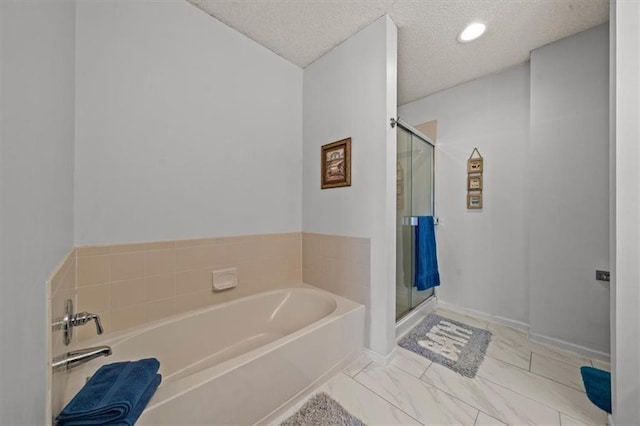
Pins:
x: 76, y: 358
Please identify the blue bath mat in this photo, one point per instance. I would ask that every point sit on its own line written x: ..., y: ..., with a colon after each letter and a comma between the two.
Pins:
x: 597, y: 383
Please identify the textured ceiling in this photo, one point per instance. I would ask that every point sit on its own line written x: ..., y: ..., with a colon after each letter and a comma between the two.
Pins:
x: 429, y: 57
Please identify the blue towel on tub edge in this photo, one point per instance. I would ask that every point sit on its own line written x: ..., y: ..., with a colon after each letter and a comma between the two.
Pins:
x: 116, y: 394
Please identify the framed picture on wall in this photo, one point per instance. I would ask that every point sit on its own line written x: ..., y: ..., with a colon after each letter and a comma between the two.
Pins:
x: 474, y: 165
x: 474, y: 201
x: 474, y: 183
x: 335, y: 164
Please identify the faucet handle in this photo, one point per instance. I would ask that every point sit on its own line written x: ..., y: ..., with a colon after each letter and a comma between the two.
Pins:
x: 99, y: 328
x: 84, y: 317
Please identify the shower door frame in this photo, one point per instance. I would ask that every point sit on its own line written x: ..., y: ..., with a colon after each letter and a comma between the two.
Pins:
x: 424, y: 138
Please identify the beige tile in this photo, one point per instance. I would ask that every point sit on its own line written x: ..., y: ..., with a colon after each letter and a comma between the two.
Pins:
x: 127, y: 293
x: 558, y: 371
x: 58, y: 301
x: 159, y: 262
x: 160, y: 309
x: 92, y: 251
x: 93, y: 270
x: 159, y: 245
x: 196, y: 242
x: 88, y: 331
x: 189, y: 301
x: 160, y: 286
x: 194, y: 281
x: 69, y: 281
x: 127, y: 265
x: 328, y: 246
x: 55, y: 281
x: 294, y: 276
x: 96, y: 298
x: 127, y: 248
x: 199, y: 257
x: 127, y: 317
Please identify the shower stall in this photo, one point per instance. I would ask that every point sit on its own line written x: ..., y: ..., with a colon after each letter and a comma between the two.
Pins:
x: 415, y: 197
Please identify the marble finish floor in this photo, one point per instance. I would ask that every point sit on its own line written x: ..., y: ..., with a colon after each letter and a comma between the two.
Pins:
x: 519, y: 382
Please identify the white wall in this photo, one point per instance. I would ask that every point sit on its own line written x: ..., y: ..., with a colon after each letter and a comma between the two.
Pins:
x: 568, y: 190
x: 185, y: 127
x: 481, y: 253
x: 37, y: 51
x: 625, y: 319
x: 530, y: 255
x: 351, y: 92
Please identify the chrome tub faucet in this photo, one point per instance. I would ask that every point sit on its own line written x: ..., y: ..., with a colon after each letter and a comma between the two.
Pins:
x: 71, y: 320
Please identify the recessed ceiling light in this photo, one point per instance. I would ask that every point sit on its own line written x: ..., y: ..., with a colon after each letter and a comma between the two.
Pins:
x: 472, y: 32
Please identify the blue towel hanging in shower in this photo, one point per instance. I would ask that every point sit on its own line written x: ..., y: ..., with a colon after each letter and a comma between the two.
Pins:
x: 427, y: 275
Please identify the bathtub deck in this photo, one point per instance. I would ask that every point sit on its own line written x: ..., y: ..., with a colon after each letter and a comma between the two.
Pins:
x: 519, y: 382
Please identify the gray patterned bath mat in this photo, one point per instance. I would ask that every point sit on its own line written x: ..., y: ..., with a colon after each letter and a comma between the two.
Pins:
x: 322, y: 410
x: 453, y: 344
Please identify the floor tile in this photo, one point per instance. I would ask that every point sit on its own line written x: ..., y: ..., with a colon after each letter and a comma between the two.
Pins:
x: 509, y: 350
x: 601, y: 365
x: 364, y: 404
x: 415, y: 397
x: 558, y: 371
x: 484, y: 420
x: 410, y: 362
x: 357, y: 400
x: 490, y: 398
x: 520, y: 341
x: 568, y: 421
x: 559, y: 354
x: 519, y: 336
x: 560, y: 397
x: 357, y: 366
x: 473, y: 322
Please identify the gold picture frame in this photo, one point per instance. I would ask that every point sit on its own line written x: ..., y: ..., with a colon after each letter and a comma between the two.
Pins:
x: 335, y: 164
x: 474, y: 182
x: 474, y: 201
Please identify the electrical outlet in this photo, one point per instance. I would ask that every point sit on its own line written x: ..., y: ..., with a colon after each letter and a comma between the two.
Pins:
x: 603, y: 275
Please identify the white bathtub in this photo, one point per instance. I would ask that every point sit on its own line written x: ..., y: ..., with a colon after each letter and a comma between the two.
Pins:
x: 237, y: 362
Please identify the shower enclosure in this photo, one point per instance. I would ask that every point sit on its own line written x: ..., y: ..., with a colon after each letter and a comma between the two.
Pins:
x: 415, y: 197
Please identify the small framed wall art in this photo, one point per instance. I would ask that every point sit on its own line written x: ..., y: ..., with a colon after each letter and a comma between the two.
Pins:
x: 474, y: 201
x: 474, y: 183
x: 335, y: 164
x: 474, y: 165
x: 475, y: 168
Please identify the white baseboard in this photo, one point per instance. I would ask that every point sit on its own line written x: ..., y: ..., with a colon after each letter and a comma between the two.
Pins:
x: 610, y: 421
x: 487, y: 317
x: 539, y: 338
x: 562, y: 344
x: 379, y: 358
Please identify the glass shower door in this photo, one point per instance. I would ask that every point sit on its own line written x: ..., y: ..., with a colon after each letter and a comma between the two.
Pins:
x: 415, y: 197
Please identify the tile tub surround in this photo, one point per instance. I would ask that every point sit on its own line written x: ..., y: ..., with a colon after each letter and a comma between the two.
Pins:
x: 60, y: 286
x: 131, y: 284
x: 338, y: 264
